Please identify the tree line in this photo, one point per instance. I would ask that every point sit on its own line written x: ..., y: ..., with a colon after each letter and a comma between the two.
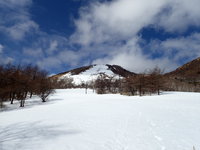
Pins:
x: 145, y: 84
x: 140, y: 84
x: 22, y: 82
x: 150, y: 82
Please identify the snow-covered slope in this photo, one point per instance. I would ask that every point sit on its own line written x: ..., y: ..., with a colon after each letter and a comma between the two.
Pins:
x: 91, y: 73
x: 73, y: 120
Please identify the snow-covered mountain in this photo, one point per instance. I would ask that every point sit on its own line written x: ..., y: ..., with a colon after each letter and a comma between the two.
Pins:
x: 91, y: 73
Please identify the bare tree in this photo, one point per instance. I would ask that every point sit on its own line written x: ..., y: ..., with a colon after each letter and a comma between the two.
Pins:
x: 16, y: 82
x: 100, y: 84
x: 44, y: 86
x: 156, y: 80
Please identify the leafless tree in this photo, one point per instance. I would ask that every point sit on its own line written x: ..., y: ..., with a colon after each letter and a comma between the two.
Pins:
x: 155, y: 80
x: 16, y: 82
x: 101, y: 84
x: 63, y: 83
x: 44, y: 86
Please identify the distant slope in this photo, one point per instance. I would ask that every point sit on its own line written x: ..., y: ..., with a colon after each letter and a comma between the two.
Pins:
x: 188, y: 70
x: 90, y: 73
x: 185, y: 78
x: 73, y: 71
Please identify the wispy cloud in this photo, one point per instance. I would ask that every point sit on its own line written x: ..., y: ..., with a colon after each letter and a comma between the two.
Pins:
x: 4, y: 59
x: 16, y: 21
x: 1, y: 48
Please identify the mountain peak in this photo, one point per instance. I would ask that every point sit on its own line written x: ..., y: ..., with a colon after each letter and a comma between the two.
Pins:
x: 91, y: 72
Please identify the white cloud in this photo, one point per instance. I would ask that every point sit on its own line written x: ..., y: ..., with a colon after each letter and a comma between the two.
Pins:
x: 130, y: 56
x: 67, y: 57
x: 16, y: 21
x: 4, y: 59
x: 168, y: 54
x: 70, y: 57
x: 18, y: 31
x: 122, y: 19
x: 49, y: 62
x: 53, y: 46
x: 50, y: 52
x: 107, y: 24
x: 14, y: 3
x: 115, y: 20
x: 183, y: 47
x: 1, y: 48
x: 179, y: 15
x: 32, y: 52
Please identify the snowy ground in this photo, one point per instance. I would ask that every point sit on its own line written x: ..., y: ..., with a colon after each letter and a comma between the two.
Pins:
x: 72, y: 120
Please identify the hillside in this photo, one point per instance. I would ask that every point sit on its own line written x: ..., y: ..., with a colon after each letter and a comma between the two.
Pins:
x: 185, y: 78
x: 188, y: 70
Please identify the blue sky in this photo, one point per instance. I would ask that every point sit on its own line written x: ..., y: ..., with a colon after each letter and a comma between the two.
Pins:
x: 64, y: 34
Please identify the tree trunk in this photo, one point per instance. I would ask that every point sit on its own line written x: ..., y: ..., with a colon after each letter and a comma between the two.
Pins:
x: 31, y: 94
x: 43, y: 100
x: 158, y: 91
x: 1, y: 103
x: 11, y: 101
x: 12, y: 98
x: 22, y: 103
x: 25, y: 94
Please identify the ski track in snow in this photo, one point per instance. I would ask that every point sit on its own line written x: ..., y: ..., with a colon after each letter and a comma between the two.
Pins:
x: 73, y: 120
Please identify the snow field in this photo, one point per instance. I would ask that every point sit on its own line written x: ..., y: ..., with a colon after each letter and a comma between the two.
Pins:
x: 73, y: 120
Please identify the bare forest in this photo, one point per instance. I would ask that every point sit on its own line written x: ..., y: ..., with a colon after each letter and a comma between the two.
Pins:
x: 22, y: 82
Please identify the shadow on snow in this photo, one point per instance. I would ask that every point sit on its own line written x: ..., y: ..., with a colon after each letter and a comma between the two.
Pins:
x: 30, y: 135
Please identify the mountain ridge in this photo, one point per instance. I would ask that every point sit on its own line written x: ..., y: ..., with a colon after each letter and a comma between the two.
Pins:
x: 118, y: 70
x: 92, y: 72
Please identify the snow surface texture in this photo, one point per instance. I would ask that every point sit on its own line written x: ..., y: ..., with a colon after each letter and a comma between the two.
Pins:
x: 73, y: 120
x: 90, y: 74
